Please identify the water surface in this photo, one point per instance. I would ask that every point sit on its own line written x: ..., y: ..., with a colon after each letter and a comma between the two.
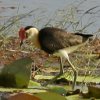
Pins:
x: 47, y: 9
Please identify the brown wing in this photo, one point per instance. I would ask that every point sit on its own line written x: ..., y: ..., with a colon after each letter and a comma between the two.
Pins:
x: 53, y: 39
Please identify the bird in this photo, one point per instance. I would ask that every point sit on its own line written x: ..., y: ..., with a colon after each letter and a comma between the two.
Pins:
x: 55, y: 41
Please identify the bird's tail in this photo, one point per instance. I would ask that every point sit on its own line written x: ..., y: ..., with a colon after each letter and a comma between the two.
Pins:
x: 85, y: 36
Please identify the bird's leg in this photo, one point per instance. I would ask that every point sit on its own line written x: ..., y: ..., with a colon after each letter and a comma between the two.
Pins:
x: 75, y: 72
x: 60, y: 73
x: 61, y: 66
x: 64, y: 53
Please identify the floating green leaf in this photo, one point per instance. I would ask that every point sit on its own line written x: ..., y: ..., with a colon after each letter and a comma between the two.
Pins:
x: 58, y: 89
x: 50, y: 96
x: 17, y: 74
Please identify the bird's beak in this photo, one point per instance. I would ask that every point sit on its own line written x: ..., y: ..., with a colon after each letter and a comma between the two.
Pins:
x: 21, y: 43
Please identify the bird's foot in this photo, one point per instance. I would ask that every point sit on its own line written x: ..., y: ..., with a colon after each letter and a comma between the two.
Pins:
x: 45, y: 83
x: 51, y: 81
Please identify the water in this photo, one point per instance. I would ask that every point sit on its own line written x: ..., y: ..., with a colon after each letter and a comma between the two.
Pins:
x: 47, y: 10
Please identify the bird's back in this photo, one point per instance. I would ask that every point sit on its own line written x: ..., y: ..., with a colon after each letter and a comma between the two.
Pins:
x: 53, y: 39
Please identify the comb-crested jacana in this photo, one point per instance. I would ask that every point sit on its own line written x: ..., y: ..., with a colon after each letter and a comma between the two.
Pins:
x: 55, y: 41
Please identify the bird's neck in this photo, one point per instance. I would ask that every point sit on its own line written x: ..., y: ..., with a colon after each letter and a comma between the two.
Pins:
x: 35, y: 41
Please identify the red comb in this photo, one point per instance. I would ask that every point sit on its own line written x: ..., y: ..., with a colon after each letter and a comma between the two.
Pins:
x: 22, y: 35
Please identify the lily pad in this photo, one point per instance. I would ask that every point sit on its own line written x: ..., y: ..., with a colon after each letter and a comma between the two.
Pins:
x: 58, y: 89
x: 17, y: 74
x: 23, y: 96
x: 33, y: 83
x: 50, y: 96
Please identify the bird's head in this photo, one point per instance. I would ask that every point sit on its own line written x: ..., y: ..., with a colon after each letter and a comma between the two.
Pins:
x: 28, y: 33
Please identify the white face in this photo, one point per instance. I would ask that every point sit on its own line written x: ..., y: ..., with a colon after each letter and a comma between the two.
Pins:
x: 32, y: 33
